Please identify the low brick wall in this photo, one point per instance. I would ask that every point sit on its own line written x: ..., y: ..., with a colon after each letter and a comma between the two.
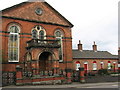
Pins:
x: 102, y: 78
x: 41, y: 80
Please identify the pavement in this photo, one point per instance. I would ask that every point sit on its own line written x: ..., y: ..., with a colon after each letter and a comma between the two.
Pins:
x: 73, y: 85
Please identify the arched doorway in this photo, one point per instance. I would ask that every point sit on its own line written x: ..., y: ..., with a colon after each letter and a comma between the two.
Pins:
x: 45, y: 61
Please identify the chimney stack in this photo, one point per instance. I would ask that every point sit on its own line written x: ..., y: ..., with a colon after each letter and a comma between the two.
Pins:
x: 94, y: 47
x: 80, y: 46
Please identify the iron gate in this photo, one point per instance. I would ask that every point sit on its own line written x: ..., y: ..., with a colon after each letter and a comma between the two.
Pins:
x: 8, y: 78
x: 76, y: 76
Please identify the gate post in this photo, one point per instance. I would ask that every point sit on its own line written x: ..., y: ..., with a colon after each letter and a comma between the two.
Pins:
x: 69, y: 75
x: 18, y: 75
x: 81, y: 75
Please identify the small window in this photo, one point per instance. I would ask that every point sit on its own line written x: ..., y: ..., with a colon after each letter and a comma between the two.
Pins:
x: 94, y: 65
x: 109, y: 65
x: 39, y: 11
x: 34, y: 34
x: 41, y: 34
x: 77, y: 65
x: 38, y: 32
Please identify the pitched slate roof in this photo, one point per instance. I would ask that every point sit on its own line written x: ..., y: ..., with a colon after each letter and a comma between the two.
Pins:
x: 25, y: 11
x: 90, y: 54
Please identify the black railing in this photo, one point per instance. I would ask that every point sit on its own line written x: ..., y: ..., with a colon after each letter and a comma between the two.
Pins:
x: 43, y: 43
x: 30, y: 74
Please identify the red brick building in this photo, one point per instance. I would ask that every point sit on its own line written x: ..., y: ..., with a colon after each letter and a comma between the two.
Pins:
x: 36, y: 38
x: 93, y: 60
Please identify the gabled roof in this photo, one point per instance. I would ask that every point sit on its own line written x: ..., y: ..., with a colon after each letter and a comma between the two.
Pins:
x: 90, y: 54
x: 26, y: 11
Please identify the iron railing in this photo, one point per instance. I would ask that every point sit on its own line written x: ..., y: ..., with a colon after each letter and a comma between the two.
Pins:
x: 43, y: 43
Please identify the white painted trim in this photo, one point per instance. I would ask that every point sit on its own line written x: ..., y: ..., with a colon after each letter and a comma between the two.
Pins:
x: 18, y: 43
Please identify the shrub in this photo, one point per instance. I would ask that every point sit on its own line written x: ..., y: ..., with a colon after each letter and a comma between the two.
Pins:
x: 102, y: 71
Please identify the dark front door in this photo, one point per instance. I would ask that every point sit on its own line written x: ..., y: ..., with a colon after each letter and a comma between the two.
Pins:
x: 45, y: 61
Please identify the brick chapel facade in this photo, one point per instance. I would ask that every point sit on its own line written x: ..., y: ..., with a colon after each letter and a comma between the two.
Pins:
x: 35, y: 36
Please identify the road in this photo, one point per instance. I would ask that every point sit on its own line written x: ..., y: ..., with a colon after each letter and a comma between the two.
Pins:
x: 73, y: 85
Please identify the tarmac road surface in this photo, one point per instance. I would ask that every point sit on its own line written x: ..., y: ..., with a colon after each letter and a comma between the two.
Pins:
x: 112, y: 85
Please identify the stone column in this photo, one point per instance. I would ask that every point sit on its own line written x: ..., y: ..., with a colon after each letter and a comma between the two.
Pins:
x: 18, y: 75
x: 68, y: 76
x: 81, y: 75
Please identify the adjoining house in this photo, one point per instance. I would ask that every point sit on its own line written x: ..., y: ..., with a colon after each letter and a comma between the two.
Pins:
x: 93, y: 60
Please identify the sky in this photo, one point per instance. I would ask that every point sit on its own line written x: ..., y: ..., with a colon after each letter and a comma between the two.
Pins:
x: 93, y: 20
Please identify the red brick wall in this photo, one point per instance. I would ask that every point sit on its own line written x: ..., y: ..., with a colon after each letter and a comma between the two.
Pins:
x: 90, y: 63
x: 26, y: 27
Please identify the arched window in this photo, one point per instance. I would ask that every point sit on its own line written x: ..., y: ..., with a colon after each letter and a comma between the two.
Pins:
x: 109, y: 65
x: 77, y: 65
x: 94, y: 65
x: 59, y: 34
x: 41, y: 34
x: 13, y: 43
x: 34, y: 34
x: 38, y: 32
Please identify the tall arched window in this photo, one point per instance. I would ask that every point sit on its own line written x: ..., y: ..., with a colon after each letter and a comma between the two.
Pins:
x: 94, y: 65
x: 38, y: 32
x: 59, y: 35
x: 13, y: 43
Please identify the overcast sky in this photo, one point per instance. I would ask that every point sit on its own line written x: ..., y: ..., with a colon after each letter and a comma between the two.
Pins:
x: 93, y: 20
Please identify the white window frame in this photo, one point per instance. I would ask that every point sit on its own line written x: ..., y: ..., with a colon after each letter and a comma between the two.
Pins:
x: 77, y: 66
x: 109, y: 65
x: 9, y: 44
x: 94, y: 66
x: 38, y: 31
x: 61, y: 43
